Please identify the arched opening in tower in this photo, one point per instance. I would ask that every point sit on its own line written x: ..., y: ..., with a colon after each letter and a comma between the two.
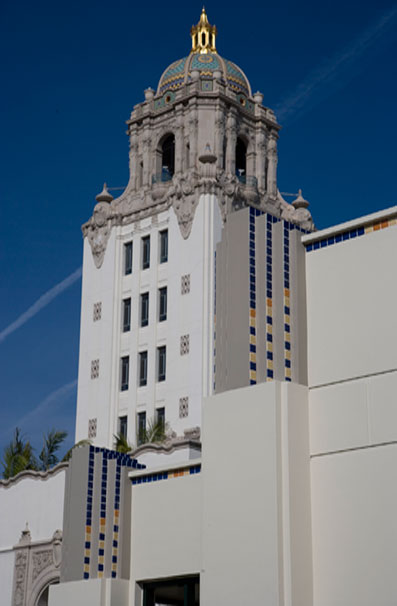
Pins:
x: 241, y: 159
x: 168, y: 155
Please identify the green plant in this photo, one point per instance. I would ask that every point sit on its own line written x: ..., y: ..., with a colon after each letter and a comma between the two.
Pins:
x: 18, y: 456
x: 51, y: 444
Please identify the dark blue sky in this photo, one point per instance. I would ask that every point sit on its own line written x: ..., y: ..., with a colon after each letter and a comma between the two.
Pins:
x: 71, y: 73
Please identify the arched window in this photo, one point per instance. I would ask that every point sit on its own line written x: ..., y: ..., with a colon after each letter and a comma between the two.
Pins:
x: 241, y: 159
x: 168, y: 155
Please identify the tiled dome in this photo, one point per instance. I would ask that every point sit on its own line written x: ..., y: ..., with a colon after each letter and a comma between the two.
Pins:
x: 179, y: 72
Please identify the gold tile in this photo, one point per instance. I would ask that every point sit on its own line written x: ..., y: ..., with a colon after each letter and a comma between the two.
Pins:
x: 253, y: 339
x: 100, y: 574
x: 287, y: 337
x: 252, y: 322
x: 101, y: 544
x: 269, y: 346
x: 86, y: 568
x: 270, y: 364
x: 288, y: 372
x: 287, y: 354
x: 100, y: 559
x: 252, y: 356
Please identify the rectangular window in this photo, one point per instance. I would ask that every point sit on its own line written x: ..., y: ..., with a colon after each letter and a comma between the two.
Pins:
x: 145, y: 309
x: 123, y: 426
x: 142, y: 368
x: 164, y: 246
x: 126, y: 315
x: 146, y: 252
x: 127, y: 258
x: 141, y: 428
x: 162, y: 304
x: 160, y: 416
x: 125, y: 372
x: 161, y: 363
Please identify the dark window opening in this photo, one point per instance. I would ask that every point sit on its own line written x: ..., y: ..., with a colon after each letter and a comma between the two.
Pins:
x: 145, y: 309
x: 127, y: 258
x: 146, y: 252
x: 125, y: 371
x: 161, y: 363
x: 241, y: 158
x: 162, y: 304
x: 203, y: 39
x: 160, y: 417
x: 123, y: 426
x: 168, y: 156
x: 142, y: 368
x: 126, y: 315
x: 172, y: 592
x: 164, y: 246
x: 141, y: 429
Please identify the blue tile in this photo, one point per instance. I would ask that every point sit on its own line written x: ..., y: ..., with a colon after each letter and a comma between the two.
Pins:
x: 288, y: 363
x: 101, y: 552
x: 287, y: 328
x: 360, y: 231
x: 86, y: 575
x: 287, y: 345
x: 269, y: 355
x: 114, y: 574
x: 114, y: 559
x: 309, y: 247
x: 87, y: 545
x: 286, y: 310
x: 269, y: 338
x: 101, y: 536
x: 115, y: 543
x: 353, y: 233
x: 338, y: 238
x: 269, y: 373
x: 330, y: 240
x: 345, y: 236
x: 252, y: 348
x: 100, y: 567
x: 252, y: 365
x: 269, y: 320
x: 316, y: 245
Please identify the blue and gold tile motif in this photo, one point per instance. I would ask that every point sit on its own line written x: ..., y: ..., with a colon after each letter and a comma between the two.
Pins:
x: 174, y: 76
x: 287, y: 300
x: 236, y: 79
x: 351, y: 234
x: 166, y: 475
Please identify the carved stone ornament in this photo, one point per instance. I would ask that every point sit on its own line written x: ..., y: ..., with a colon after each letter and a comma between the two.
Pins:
x: 41, y: 560
x: 98, y: 231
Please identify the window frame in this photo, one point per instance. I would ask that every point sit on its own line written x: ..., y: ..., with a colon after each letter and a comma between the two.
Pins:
x: 145, y: 260
x: 128, y: 252
x: 142, y: 365
x: 125, y: 373
x: 123, y: 425
x: 161, y: 363
x: 126, y: 309
x: 140, y: 428
x: 144, y: 321
x: 163, y: 246
x: 163, y: 302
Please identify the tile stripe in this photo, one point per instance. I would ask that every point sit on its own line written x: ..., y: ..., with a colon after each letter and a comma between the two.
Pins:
x: 350, y: 234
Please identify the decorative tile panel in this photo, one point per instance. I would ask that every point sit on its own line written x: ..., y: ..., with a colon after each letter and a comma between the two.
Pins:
x: 94, y: 369
x: 185, y: 284
x: 167, y: 475
x: 287, y: 304
x: 97, y: 313
x: 350, y: 234
x: 183, y: 407
x: 92, y: 426
x: 185, y: 345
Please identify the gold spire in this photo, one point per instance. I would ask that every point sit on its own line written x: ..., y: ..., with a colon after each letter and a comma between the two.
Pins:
x: 203, y: 35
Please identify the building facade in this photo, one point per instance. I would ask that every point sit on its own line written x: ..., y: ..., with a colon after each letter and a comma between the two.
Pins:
x: 211, y: 303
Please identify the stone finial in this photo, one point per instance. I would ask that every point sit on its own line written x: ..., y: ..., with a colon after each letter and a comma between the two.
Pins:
x: 258, y: 97
x: 149, y: 94
x: 300, y: 202
x: 104, y: 196
x: 26, y: 537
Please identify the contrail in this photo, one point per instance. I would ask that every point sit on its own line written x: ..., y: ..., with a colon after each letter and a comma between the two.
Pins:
x: 41, y: 302
x: 332, y: 68
x: 52, y: 398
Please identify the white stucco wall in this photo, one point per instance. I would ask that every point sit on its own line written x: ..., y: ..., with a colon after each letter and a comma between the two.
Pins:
x: 256, y: 535
x: 166, y: 528
x: 351, y: 303
x: 29, y: 499
x: 191, y: 314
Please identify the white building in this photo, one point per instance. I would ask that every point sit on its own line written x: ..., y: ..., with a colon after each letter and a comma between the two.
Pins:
x: 211, y: 303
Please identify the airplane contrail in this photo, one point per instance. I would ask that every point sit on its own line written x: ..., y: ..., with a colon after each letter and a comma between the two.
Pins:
x: 332, y: 68
x: 41, y: 302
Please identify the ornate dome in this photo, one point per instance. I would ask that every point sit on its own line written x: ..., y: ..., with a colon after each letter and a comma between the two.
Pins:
x: 204, y: 59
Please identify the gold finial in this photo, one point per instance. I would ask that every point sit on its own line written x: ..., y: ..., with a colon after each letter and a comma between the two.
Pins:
x: 203, y: 35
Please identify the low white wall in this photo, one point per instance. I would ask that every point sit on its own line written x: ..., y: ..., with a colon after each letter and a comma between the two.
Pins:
x: 103, y: 592
x: 166, y: 528
x: 6, y: 576
x: 35, y: 500
x: 354, y: 504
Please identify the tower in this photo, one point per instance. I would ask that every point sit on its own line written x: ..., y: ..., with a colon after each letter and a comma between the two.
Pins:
x: 203, y: 164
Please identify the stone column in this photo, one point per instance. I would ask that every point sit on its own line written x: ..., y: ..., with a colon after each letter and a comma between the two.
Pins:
x: 146, y: 142
x: 260, y: 158
x: 231, y: 133
x: 179, y: 141
x: 219, y: 136
x: 272, y: 164
x: 193, y: 124
x: 133, y: 158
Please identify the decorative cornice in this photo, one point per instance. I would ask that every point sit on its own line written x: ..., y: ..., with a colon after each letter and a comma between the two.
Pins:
x: 35, y: 475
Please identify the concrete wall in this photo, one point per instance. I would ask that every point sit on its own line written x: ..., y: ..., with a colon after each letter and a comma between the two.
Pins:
x: 256, y: 536
x: 352, y: 327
